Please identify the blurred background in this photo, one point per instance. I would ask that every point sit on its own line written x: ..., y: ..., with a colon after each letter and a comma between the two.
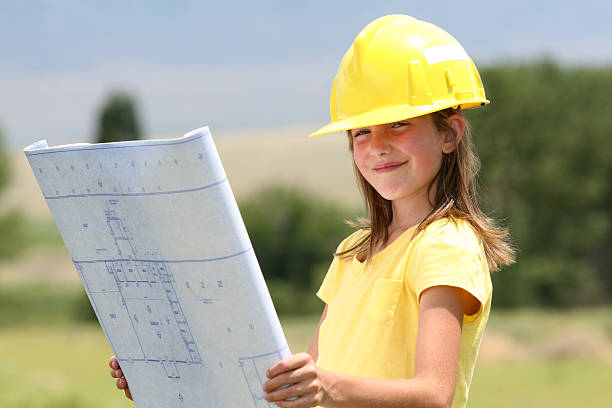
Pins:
x: 259, y: 75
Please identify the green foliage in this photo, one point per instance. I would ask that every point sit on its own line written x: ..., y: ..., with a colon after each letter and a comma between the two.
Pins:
x: 13, y: 235
x: 118, y: 119
x: 294, y: 236
x: 43, y: 234
x: 43, y: 303
x: 292, y: 300
x: 546, y: 152
x: 12, y: 232
x: 5, y: 168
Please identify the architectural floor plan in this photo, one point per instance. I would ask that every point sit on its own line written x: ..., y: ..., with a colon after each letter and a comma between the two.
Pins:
x: 158, y: 242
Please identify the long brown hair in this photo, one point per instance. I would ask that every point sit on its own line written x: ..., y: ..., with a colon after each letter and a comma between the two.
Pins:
x: 455, y: 198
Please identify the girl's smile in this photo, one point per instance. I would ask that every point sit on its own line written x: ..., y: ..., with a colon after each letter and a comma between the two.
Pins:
x: 388, y: 166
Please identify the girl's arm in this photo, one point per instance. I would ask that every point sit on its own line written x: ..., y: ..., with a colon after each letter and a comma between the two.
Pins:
x: 313, y: 350
x: 435, y: 371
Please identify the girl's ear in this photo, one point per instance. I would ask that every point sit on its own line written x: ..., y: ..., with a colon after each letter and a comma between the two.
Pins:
x: 452, y: 137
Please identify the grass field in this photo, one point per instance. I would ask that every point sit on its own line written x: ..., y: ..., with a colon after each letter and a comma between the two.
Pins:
x: 54, y: 356
x: 63, y: 364
x: 562, y: 383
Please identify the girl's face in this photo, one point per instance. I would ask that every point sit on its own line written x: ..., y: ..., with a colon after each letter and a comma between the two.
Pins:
x: 400, y: 159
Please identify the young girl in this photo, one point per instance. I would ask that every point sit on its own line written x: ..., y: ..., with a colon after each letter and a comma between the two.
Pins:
x: 408, y: 294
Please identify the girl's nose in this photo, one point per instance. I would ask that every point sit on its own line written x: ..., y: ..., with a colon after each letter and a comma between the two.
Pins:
x: 379, y: 142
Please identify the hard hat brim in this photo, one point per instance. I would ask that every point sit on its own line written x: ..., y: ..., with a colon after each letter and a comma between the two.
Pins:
x: 391, y: 114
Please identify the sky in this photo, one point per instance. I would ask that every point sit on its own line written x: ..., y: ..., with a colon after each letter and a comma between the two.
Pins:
x: 239, y: 65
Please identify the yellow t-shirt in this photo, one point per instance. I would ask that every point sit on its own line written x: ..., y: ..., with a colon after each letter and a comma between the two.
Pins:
x: 373, y: 308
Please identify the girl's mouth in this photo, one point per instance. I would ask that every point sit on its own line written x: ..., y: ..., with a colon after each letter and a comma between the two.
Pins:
x: 387, y: 167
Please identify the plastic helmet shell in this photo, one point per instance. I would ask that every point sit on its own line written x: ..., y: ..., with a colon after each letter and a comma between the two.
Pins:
x: 398, y: 68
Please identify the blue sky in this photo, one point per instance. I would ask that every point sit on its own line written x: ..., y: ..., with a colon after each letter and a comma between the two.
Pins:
x: 238, y: 64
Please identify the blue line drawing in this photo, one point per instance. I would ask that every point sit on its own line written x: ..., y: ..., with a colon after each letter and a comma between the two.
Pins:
x: 147, y: 290
x: 254, y: 370
x: 170, y: 261
x: 190, y: 190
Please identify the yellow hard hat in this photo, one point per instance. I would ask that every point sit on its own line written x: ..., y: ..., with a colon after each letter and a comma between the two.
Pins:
x: 398, y: 68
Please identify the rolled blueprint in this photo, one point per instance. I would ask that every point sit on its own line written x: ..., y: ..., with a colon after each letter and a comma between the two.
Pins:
x: 157, y: 239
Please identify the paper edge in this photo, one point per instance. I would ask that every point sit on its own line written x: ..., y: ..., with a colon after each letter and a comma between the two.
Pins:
x: 42, y: 145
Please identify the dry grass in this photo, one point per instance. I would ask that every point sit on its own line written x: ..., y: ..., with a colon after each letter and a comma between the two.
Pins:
x: 322, y: 164
x: 530, y: 335
x: 23, y: 192
x: 578, y: 342
x: 497, y: 347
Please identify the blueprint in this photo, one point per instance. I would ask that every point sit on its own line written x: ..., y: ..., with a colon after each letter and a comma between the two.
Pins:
x: 156, y: 237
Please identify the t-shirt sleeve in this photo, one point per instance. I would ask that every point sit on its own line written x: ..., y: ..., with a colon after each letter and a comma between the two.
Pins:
x: 333, y: 279
x: 451, y: 254
x: 329, y: 288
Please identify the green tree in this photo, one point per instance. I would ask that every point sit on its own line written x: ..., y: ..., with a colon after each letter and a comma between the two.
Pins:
x: 118, y: 119
x: 294, y: 235
x: 544, y: 143
x: 12, y: 231
x: 5, y: 166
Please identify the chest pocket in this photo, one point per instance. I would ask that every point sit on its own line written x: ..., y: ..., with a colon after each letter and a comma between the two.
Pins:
x: 383, y: 299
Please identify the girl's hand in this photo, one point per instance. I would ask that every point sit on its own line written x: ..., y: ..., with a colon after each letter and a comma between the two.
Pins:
x: 295, y: 382
x: 116, y: 372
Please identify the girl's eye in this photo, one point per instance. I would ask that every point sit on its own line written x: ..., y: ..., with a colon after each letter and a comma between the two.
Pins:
x: 399, y: 124
x: 360, y: 132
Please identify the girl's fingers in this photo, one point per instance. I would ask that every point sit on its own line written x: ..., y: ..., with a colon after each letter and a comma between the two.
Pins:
x: 306, y: 401
x: 304, y: 373
x: 121, y: 383
x: 303, y: 384
x: 290, y: 363
x: 293, y: 377
x: 278, y: 381
x: 113, y: 363
x: 116, y: 373
x: 292, y: 391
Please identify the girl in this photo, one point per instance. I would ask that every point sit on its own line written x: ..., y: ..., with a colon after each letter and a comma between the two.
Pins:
x: 408, y: 294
